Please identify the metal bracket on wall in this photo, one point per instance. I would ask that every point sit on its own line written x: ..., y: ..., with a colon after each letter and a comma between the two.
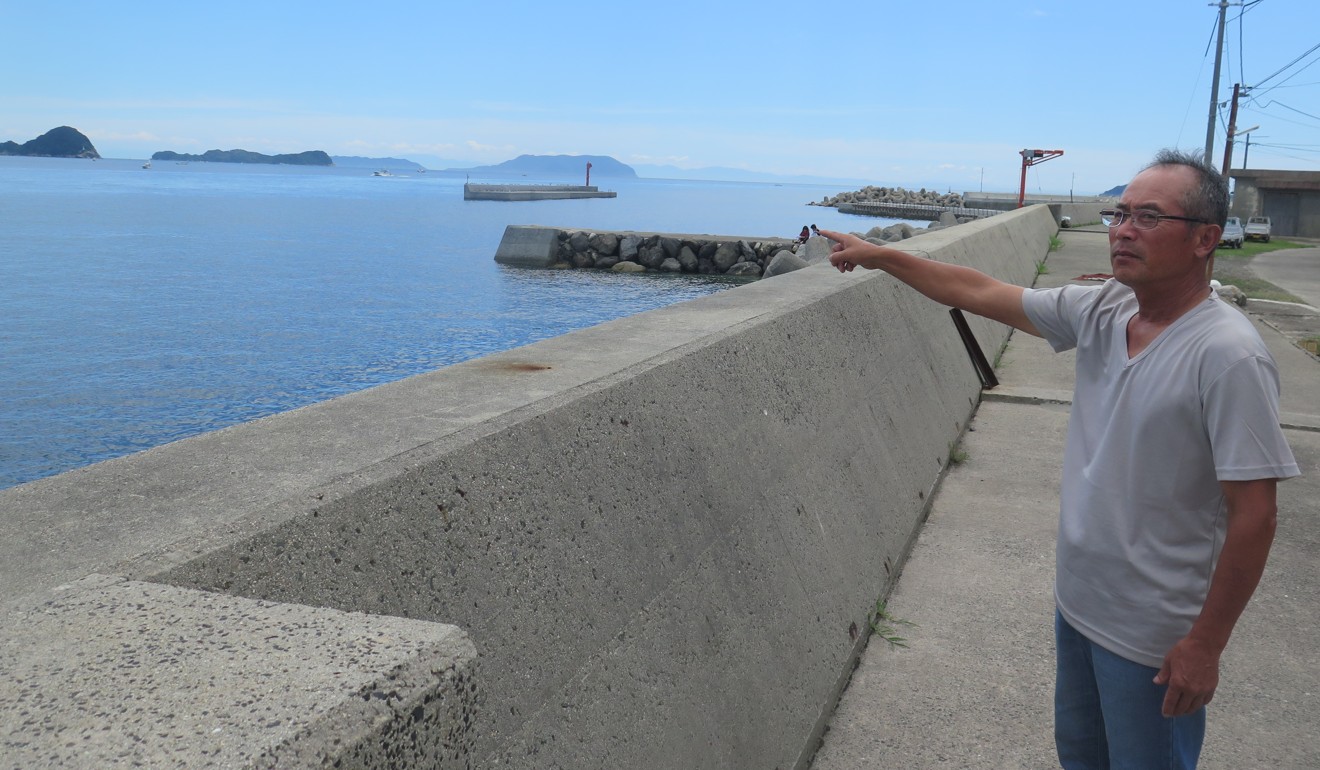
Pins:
x: 983, y: 369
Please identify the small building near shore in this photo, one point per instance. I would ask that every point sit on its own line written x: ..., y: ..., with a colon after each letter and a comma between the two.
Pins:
x: 1291, y: 199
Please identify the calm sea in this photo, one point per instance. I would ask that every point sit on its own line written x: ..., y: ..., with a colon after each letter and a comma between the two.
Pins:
x: 140, y: 306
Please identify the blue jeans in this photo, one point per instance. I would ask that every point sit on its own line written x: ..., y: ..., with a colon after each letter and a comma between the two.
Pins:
x: 1107, y: 712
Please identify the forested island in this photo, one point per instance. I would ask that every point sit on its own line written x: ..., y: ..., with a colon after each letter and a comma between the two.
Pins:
x: 62, y: 142
x: 309, y: 158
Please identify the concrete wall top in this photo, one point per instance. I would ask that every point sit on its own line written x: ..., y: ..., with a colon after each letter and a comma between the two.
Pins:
x: 186, y: 694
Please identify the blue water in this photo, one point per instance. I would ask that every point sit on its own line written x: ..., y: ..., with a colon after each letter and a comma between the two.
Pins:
x: 138, y: 306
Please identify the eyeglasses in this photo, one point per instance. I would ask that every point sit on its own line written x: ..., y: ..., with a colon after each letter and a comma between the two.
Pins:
x: 1142, y: 219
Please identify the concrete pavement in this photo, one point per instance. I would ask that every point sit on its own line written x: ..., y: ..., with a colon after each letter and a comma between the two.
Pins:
x: 972, y: 688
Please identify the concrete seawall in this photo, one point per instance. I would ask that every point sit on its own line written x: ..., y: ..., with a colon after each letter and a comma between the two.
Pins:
x: 532, y: 192
x: 663, y: 536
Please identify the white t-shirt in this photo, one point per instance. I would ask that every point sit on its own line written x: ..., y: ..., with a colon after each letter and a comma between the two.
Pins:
x: 1142, y: 515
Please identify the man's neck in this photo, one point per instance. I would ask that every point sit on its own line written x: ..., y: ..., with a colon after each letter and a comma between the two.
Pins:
x: 1163, y: 305
x: 1157, y: 310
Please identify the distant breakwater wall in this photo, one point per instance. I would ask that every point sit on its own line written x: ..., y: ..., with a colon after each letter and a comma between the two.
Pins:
x: 665, y: 536
x: 532, y: 192
x: 628, y: 251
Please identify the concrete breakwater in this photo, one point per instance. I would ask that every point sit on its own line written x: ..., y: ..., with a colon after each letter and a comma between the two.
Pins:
x: 635, y: 252
x: 664, y: 536
x: 532, y: 192
x: 627, y: 251
x: 874, y: 194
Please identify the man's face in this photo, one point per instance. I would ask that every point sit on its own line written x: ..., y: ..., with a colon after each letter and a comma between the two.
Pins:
x: 1173, y: 251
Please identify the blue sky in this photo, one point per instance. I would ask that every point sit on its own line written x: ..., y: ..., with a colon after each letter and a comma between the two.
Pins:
x: 937, y: 95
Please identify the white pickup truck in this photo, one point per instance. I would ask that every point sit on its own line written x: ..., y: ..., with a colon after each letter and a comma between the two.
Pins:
x: 1258, y: 229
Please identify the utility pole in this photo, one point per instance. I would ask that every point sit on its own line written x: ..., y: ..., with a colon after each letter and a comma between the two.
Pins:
x: 1214, y: 88
x: 1232, y: 129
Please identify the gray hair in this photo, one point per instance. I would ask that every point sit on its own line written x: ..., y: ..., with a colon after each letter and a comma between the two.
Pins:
x: 1208, y: 199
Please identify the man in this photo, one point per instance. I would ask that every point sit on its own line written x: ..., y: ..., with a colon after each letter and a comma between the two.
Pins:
x: 1167, y: 508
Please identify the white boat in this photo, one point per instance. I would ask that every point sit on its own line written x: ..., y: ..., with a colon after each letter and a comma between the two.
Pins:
x: 382, y: 172
x: 147, y: 164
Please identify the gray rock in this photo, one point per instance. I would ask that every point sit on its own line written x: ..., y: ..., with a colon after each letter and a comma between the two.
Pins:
x: 651, y: 255
x: 670, y: 246
x: 688, y: 259
x: 628, y: 246
x: 1232, y: 294
x: 784, y: 261
x: 747, y: 252
x: 579, y: 242
x: 671, y: 265
x: 707, y: 250
x: 726, y: 256
x: 605, y: 263
x: 745, y: 269
x: 628, y: 267
x: 606, y: 244
x: 583, y: 259
x: 815, y: 250
x: 898, y: 232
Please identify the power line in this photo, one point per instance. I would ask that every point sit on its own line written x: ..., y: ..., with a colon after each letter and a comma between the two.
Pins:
x: 1289, y: 64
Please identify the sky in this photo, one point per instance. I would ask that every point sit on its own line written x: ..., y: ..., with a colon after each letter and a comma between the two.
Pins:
x: 936, y: 95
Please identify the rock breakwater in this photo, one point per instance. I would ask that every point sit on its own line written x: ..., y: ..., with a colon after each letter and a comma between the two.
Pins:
x: 873, y: 194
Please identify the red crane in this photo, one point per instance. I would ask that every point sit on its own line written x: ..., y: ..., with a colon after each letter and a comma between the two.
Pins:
x: 1031, y: 158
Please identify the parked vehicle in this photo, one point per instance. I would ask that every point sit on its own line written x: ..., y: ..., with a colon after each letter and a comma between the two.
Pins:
x: 1258, y: 229
x: 1233, y: 234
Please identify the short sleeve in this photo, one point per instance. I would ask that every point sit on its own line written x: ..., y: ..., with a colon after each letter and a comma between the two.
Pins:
x: 1056, y: 313
x: 1241, y: 412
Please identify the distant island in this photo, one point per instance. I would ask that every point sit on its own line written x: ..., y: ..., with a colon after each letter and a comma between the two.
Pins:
x: 309, y: 158
x: 62, y: 142
x: 572, y: 166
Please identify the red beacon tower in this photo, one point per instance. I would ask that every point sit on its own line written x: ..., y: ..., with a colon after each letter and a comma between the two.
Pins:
x: 1031, y: 158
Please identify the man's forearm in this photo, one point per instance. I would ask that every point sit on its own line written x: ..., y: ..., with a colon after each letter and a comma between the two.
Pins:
x: 1251, y: 525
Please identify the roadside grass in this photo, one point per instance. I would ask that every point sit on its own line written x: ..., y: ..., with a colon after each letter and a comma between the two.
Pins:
x: 1233, y: 267
x: 881, y: 625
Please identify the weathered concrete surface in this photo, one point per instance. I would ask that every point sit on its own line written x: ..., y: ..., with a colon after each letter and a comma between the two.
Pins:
x: 664, y: 534
x: 528, y: 246
x: 974, y: 687
x: 111, y: 673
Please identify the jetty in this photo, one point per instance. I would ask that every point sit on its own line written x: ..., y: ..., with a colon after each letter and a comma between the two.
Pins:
x: 532, y: 192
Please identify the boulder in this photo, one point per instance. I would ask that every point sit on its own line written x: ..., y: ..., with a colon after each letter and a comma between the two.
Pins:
x: 670, y: 246
x: 688, y: 259
x: 816, y: 249
x: 782, y: 262
x: 671, y: 265
x: 745, y: 270
x: 726, y: 256
x: 606, y: 244
x: 579, y: 242
x: 628, y: 267
x: 651, y: 255
x: 628, y: 246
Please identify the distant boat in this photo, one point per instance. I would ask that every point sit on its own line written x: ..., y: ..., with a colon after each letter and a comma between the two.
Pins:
x: 147, y: 164
x: 382, y: 172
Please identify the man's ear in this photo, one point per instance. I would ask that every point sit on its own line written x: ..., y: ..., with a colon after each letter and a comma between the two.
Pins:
x: 1207, y: 239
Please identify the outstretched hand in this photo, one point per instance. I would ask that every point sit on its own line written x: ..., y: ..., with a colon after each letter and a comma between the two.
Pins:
x: 852, y: 252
